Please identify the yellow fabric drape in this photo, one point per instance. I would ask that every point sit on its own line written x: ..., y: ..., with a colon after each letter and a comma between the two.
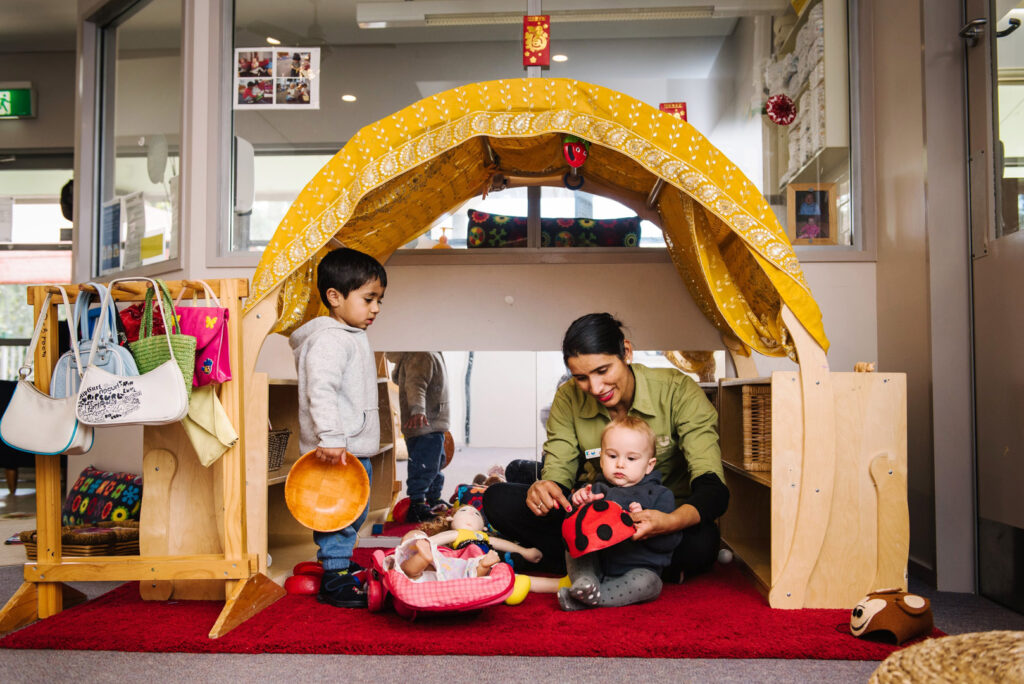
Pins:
x: 393, y: 178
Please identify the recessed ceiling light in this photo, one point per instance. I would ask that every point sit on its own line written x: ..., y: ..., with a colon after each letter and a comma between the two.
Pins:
x: 273, y: 41
x: 348, y: 98
x: 559, y: 58
x: 373, y: 24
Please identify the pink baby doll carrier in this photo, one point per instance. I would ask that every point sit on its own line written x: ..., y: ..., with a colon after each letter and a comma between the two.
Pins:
x: 411, y: 598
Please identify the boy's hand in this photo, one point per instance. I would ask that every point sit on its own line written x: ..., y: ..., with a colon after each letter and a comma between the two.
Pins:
x: 635, y: 507
x: 585, y: 495
x: 417, y: 420
x: 332, y: 455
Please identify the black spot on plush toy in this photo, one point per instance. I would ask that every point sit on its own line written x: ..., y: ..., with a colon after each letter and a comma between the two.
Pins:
x: 595, y: 526
x: 894, y: 612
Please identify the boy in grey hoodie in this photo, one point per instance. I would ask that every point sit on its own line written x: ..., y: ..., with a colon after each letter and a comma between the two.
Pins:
x: 338, y: 396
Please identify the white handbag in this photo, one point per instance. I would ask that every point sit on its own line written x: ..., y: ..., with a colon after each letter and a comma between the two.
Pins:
x: 153, y: 398
x: 36, y: 422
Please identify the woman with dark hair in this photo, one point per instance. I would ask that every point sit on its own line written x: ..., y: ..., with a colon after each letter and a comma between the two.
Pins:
x: 606, y: 385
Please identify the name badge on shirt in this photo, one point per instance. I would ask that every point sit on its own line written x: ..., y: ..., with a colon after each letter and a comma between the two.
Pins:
x: 592, y: 453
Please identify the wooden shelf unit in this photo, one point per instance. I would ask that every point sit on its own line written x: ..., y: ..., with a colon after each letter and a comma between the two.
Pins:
x: 863, y: 534
x: 288, y: 542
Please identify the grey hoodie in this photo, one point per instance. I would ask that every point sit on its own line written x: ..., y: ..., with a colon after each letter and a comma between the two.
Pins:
x: 422, y: 381
x: 337, y: 387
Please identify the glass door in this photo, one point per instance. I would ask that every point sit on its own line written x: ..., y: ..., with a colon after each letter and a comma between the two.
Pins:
x: 995, y: 91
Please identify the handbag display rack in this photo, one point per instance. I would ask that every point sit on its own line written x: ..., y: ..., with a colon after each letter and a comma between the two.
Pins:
x: 195, y: 527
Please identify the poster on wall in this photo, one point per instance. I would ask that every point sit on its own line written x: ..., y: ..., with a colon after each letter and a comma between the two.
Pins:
x: 110, y: 236
x: 135, y: 218
x: 278, y: 78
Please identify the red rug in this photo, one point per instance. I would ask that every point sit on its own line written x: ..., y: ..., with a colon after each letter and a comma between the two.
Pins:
x: 718, y: 615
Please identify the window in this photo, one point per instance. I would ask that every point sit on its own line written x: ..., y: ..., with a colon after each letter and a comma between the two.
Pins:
x: 723, y: 68
x: 35, y: 247
x: 140, y: 137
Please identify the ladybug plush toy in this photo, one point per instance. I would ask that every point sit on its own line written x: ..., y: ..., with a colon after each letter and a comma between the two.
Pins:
x: 595, y: 526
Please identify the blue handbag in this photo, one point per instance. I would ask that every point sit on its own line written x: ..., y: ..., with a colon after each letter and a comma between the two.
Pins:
x: 110, y: 356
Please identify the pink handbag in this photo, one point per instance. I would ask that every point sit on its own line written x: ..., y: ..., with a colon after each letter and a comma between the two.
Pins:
x: 209, y: 325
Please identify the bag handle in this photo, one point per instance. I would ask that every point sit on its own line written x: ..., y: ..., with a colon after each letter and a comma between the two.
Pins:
x: 107, y: 301
x: 30, y: 357
x: 208, y: 291
x: 147, y: 311
x: 82, y: 312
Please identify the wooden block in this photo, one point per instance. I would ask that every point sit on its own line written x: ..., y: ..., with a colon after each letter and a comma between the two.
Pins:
x: 249, y: 597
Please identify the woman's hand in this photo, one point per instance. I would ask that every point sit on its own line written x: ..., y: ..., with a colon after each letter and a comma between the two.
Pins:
x: 545, y: 495
x: 584, y: 495
x: 331, y: 455
x: 651, y: 522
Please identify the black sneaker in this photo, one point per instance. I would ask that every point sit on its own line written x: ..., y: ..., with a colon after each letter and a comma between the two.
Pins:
x: 439, y: 505
x: 341, y: 589
x: 419, y: 511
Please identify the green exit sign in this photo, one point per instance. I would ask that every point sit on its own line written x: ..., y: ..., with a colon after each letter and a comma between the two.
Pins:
x: 16, y: 101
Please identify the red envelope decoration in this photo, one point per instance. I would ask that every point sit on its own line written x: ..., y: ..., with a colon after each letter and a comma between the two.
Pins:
x: 595, y: 526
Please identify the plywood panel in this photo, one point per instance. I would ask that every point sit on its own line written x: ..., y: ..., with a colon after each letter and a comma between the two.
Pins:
x: 870, y: 419
x: 787, y: 455
x: 193, y: 519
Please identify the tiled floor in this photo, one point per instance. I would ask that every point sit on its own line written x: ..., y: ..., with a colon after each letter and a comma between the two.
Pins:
x: 17, y: 513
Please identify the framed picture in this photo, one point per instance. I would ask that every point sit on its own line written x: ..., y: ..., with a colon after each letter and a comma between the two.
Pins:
x: 812, y: 218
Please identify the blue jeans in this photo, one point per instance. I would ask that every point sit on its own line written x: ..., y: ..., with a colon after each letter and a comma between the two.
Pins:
x: 336, y: 547
x: 426, y: 456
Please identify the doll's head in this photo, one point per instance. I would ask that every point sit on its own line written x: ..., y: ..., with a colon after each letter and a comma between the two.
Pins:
x: 465, y: 517
x: 627, y: 451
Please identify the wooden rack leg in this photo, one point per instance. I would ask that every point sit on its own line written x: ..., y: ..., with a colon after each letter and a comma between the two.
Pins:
x: 249, y: 597
x: 22, y: 608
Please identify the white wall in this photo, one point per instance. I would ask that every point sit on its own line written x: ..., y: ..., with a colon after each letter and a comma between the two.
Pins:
x: 52, y: 75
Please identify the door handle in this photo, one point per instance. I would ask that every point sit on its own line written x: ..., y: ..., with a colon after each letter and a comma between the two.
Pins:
x: 1014, y: 25
x: 971, y: 31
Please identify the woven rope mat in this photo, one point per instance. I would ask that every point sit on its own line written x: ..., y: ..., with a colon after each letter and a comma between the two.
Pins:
x: 982, y: 657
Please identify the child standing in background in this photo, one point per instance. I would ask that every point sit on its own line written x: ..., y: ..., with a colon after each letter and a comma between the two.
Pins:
x: 422, y: 381
x: 338, y: 397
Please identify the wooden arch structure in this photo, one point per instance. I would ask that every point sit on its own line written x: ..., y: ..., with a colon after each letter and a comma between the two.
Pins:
x: 395, y: 177
x: 837, y: 512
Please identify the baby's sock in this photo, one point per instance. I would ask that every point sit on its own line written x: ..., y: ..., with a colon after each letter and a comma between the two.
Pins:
x: 636, y: 586
x: 567, y: 602
x: 586, y: 590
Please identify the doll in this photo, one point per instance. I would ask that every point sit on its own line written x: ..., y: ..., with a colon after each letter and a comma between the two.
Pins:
x: 418, y: 559
x: 466, y: 526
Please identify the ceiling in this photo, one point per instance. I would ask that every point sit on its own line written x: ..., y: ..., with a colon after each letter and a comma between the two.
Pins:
x: 49, y: 25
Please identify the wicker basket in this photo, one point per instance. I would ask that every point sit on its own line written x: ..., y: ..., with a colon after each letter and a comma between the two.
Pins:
x: 757, y: 427
x: 990, y: 657
x: 100, y: 539
x: 277, y: 443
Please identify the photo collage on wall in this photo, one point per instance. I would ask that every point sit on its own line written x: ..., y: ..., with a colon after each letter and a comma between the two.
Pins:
x: 278, y: 78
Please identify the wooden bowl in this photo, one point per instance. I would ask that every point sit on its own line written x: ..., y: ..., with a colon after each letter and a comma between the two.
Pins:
x: 326, y: 497
x: 449, y: 448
